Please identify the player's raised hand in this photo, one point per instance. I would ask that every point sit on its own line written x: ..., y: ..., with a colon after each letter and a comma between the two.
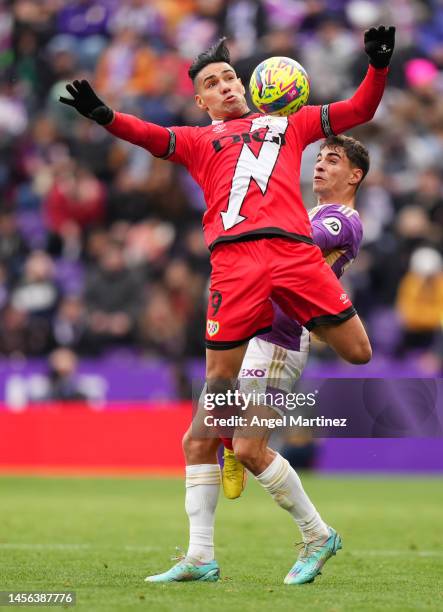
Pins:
x: 379, y: 45
x: 87, y: 103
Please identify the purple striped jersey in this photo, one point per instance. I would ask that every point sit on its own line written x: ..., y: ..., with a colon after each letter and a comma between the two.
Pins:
x: 338, y: 231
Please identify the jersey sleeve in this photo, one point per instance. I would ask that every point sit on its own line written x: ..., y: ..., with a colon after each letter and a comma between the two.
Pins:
x: 363, y: 104
x: 174, y: 144
x: 337, y: 230
x: 316, y: 122
x: 182, y: 146
x: 308, y: 124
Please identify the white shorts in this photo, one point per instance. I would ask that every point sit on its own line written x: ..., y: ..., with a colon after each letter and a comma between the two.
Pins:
x: 269, y: 366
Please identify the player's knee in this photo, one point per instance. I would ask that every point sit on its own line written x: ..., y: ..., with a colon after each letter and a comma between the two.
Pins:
x: 217, y: 384
x: 186, y: 442
x: 195, y: 449
x: 244, y: 451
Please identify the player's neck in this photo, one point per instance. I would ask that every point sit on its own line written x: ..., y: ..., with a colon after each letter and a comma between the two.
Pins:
x: 245, y: 110
x: 336, y: 199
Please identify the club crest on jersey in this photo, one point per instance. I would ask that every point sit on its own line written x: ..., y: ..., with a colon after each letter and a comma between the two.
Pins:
x: 344, y: 298
x: 213, y: 327
x: 333, y: 225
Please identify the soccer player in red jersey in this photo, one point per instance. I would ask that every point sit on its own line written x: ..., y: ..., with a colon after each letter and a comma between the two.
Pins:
x: 256, y: 228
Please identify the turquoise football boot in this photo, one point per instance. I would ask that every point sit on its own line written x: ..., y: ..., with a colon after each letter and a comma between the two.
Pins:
x: 312, y: 558
x: 188, y: 569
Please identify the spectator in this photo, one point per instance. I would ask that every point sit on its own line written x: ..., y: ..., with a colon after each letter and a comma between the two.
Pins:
x: 70, y: 328
x: 112, y: 297
x: 75, y: 196
x: 14, y: 336
x: 63, y: 384
x: 36, y: 291
x: 128, y: 67
x: 330, y: 52
x: 244, y: 22
x: 161, y: 331
x: 141, y: 17
x: 13, y: 248
x: 420, y: 298
x: 13, y: 113
x: 84, y: 22
x: 4, y: 287
x: 31, y: 68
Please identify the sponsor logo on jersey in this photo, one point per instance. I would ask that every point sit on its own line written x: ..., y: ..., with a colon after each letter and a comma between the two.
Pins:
x: 344, y: 298
x: 259, y: 135
x: 252, y: 373
x: 213, y: 327
x: 333, y: 225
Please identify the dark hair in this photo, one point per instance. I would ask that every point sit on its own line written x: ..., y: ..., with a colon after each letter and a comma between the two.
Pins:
x: 217, y: 53
x: 355, y: 151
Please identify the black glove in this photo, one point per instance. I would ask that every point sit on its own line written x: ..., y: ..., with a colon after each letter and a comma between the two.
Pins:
x: 379, y: 45
x: 87, y: 103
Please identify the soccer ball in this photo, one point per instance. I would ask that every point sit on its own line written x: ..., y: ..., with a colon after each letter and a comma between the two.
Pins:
x: 279, y: 86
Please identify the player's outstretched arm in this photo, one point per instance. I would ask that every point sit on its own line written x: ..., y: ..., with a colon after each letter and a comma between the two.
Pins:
x: 379, y: 46
x: 154, y: 138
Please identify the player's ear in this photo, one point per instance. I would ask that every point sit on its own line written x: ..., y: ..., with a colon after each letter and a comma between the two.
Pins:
x: 242, y: 86
x: 356, y: 176
x: 200, y: 103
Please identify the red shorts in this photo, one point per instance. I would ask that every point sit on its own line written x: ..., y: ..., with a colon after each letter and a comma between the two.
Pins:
x: 245, y: 275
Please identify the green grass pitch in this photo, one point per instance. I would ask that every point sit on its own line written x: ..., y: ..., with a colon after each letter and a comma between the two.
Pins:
x: 101, y: 536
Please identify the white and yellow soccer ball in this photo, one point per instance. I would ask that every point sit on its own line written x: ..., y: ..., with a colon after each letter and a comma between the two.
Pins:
x: 279, y: 86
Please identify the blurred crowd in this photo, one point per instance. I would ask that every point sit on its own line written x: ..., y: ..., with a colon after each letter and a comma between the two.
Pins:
x: 100, y: 243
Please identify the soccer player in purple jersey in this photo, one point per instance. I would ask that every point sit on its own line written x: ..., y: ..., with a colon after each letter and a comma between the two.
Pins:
x: 281, y: 354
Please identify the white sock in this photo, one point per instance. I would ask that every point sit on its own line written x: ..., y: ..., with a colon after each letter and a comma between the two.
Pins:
x: 283, y: 483
x: 202, y: 489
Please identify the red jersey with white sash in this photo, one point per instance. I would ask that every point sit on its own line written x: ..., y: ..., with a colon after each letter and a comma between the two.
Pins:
x: 249, y: 168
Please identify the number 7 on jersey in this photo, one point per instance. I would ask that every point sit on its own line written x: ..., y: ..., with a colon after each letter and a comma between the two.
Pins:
x: 250, y: 167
